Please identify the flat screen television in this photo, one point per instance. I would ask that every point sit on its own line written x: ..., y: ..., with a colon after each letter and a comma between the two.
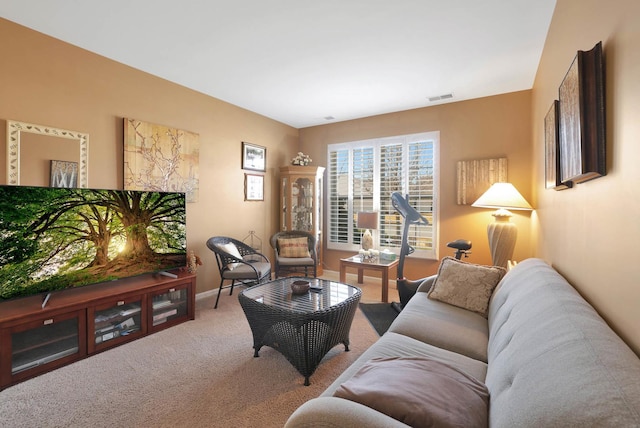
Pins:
x: 58, y: 238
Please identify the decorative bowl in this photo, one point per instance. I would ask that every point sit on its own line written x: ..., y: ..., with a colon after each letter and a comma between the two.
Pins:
x: 300, y: 287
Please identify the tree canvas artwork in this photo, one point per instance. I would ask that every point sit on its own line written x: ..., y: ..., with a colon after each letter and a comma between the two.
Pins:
x: 161, y: 158
x: 56, y: 238
x: 64, y: 174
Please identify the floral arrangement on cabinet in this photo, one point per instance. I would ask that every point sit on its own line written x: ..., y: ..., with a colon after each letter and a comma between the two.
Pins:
x: 301, y: 159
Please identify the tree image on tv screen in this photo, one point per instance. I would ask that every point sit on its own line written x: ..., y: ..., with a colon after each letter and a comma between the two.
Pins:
x: 52, y: 239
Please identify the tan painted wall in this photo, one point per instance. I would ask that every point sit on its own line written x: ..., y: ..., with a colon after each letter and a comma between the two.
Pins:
x: 589, y: 233
x: 484, y: 128
x: 45, y: 81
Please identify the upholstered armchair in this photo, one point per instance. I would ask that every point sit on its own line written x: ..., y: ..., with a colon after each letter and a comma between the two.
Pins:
x: 239, y: 263
x: 295, y: 252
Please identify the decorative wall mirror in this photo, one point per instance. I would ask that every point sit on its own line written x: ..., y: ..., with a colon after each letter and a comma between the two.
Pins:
x: 15, y: 136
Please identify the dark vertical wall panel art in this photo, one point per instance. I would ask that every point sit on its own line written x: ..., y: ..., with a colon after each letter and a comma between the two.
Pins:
x: 582, y: 119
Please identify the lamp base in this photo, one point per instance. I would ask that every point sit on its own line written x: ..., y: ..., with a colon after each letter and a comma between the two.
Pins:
x: 367, y: 240
x: 502, y: 240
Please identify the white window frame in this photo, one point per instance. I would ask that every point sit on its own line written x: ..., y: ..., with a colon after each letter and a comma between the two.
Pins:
x: 377, y: 143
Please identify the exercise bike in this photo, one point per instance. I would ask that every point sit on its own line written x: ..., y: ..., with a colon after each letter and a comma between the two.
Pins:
x: 407, y: 288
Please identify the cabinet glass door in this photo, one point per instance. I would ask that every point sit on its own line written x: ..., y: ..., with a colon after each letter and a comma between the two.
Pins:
x: 118, y: 320
x: 47, y: 342
x: 302, y: 205
x: 170, y: 305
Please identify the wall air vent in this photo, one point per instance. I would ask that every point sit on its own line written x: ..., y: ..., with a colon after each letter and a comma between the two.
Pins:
x: 441, y: 97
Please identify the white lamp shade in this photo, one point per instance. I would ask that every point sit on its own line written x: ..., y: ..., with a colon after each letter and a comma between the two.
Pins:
x: 502, y: 196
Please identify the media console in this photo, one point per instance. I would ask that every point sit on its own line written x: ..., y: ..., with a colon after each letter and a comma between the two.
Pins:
x: 77, y: 323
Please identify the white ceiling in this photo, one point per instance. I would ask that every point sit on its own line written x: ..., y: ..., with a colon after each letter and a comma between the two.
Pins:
x: 301, y: 61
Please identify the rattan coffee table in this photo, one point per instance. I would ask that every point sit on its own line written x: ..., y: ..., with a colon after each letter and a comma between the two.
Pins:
x: 304, y: 327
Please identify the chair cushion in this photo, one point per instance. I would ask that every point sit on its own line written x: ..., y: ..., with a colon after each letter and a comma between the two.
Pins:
x: 466, y: 285
x: 293, y: 247
x: 243, y: 271
x: 295, y: 261
x: 419, y: 392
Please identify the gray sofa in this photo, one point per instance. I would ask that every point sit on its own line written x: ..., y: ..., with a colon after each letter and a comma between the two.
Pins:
x: 546, y: 357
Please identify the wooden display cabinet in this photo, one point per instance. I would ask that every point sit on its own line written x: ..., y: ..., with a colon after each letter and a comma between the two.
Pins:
x: 80, y: 322
x: 301, y: 202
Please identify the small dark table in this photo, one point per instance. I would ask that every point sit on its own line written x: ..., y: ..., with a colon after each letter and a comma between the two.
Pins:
x: 378, y: 265
x: 304, y: 327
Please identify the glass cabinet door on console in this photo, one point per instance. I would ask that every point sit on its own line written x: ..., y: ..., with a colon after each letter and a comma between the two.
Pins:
x: 116, y: 322
x: 170, y: 306
x: 40, y: 345
x: 301, y: 202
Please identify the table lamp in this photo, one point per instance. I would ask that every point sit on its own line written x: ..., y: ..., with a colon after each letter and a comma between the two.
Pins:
x: 367, y: 220
x: 502, y: 233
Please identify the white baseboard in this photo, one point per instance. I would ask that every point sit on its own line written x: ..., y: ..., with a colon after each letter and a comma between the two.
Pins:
x: 205, y: 294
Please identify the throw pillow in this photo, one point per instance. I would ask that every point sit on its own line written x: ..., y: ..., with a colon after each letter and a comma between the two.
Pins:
x: 466, y: 285
x: 233, y: 250
x: 419, y: 392
x: 293, y: 247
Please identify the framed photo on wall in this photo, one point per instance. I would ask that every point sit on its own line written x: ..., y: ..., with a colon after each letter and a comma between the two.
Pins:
x: 253, y: 187
x: 254, y: 157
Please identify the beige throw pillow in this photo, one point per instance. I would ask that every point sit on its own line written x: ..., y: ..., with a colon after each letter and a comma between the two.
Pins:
x: 466, y: 285
x: 294, y: 247
x: 419, y: 392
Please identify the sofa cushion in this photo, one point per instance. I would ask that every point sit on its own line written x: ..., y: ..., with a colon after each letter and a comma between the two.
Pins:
x: 293, y: 247
x: 419, y: 392
x: 466, y: 285
x: 443, y: 325
x: 396, y: 345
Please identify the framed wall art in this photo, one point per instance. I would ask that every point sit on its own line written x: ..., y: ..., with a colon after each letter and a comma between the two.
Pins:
x: 582, y: 118
x: 64, y: 174
x: 474, y: 177
x: 161, y: 158
x: 254, y: 157
x: 19, y: 132
x: 552, y: 158
x: 253, y: 187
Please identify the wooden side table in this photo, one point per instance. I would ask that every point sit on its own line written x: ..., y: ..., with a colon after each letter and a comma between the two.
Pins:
x: 378, y: 265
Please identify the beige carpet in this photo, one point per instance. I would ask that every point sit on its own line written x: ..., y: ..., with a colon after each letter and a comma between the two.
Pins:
x: 198, y: 374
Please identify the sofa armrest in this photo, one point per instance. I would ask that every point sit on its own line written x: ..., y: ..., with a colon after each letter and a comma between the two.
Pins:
x: 426, y: 285
x: 339, y: 413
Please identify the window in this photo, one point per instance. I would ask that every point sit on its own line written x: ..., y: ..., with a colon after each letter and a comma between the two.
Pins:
x: 362, y: 177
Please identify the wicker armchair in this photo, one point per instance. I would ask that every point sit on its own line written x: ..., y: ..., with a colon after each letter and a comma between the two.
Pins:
x: 285, y: 265
x: 239, y: 263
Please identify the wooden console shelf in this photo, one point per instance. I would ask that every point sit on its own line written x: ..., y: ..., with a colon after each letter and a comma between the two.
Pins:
x: 80, y: 322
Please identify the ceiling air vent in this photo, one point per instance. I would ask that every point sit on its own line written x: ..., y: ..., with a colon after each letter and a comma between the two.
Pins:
x: 440, y: 97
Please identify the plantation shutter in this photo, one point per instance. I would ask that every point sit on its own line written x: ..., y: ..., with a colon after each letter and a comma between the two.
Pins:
x: 362, y: 177
x: 339, y: 196
x: 391, y: 179
x: 421, y: 191
x: 362, y: 187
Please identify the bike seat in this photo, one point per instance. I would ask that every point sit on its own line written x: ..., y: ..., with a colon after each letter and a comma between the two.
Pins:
x: 460, y: 245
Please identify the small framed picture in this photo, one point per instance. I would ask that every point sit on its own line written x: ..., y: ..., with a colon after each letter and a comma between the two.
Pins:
x: 254, y: 157
x: 64, y: 174
x: 253, y: 187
